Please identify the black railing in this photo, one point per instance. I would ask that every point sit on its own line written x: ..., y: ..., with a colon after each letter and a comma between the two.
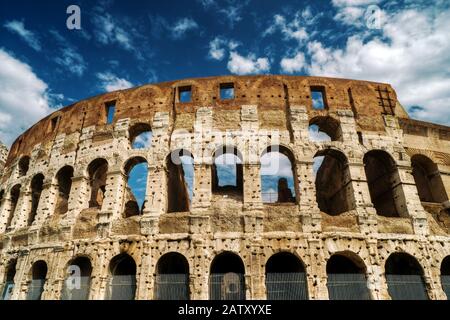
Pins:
x: 172, y: 287
x: 227, y: 286
x: 121, y: 288
x: 286, y: 286
x: 74, y: 290
x: 406, y: 287
x: 347, y: 286
x: 445, y: 282
x: 35, y: 289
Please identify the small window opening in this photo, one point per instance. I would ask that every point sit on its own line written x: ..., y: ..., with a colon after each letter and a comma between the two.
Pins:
x: 110, y: 110
x: 227, y: 91
x: 318, y: 98
x: 185, y: 94
x: 54, y: 123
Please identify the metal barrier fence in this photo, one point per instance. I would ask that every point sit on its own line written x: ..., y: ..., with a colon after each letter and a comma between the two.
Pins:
x: 172, y: 287
x: 227, y: 286
x: 71, y: 292
x: 286, y: 286
x: 445, y: 281
x: 406, y: 287
x: 347, y: 286
x: 7, y: 290
x: 121, y: 288
x: 35, y: 289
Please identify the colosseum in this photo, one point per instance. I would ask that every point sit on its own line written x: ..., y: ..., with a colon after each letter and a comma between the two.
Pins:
x: 361, y: 213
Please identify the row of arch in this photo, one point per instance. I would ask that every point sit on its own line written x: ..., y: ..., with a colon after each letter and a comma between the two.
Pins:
x: 334, y: 192
x: 285, y: 278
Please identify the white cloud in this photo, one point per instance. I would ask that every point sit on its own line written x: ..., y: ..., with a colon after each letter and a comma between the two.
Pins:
x: 351, y: 12
x: 276, y: 164
x: 30, y: 38
x: 111, y: 82
x: 412, y: 55
x: 218, y: 47
x: 247, y: 65
x: 24, y: 98
x: 68, y: 56
x: 295, y: 64
x: 293, y: 29
x: 182, y: 26
x: 108, y: 32
x: 316, y: 135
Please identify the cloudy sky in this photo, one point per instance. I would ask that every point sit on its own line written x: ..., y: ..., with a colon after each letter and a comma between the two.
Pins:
x: 44, y: 65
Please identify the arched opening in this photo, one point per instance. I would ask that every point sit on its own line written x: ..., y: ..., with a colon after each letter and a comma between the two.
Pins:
x: 172, y: 277
x: 334, y: 191
x: 38, y: 275
x: 24, y: 164
x: 180, y: 178
x: 346, y: 279
x: 384, y: 184
x: 324, y: 128
x: 14, y: 198
x: 97, y: 170
x: 404, y: 277
x: 8, y: 285
x: 428, y: 179
x: 122, y: 285
x: 136, y: 170
x: 64, y: 180
x: 226, y: 280
x: 226, y: 172
x: 445, y: 276
x: 37, y: 185
x: 285, y: 278
x: 78, y: 281
x: 140, y: 136
x: 278, y: 175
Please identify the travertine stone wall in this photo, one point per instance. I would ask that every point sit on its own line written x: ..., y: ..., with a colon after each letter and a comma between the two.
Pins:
x: 266, y: 111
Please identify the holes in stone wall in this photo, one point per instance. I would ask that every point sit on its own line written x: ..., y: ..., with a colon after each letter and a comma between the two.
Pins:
x: 136, y: 170
x: 428, y: 179
x: 324, y: 128
x: 64, y: 181
x: 278, y: 175
x: 334, y: 192
x: 97, y: 171
x: 384, y: 184
x: 180, y: 173
x: 226, y: 172
x: 140, y: 136
x: 37, y: 184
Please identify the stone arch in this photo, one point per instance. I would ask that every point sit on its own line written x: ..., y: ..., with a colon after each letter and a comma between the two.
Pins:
x: 346, y: 277
x: 445, y: 276
x: 8, y: 282
x: 134, y: 198
x: 14, y: 198
x: 122, y: 284
x: 334, y: 191
x: 37, y: 185
x: 325, y: 124
x: 226, y: 280
x: 38, y: 279
x: 140, y: 135
x: 404, y: 277
x: 428, y: 179
x: 384, y: 184
x: 278, y: 161
x: 97, y: 171
x: 172, y: 277
x: 64, y: 183
x: 230, y: 160
x: 285, y: 277
x: 24, y: 165
x: 78, y: 279
x: 179, y: 174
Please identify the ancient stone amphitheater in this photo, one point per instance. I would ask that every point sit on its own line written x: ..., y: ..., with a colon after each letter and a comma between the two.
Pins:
x: 373, y: 222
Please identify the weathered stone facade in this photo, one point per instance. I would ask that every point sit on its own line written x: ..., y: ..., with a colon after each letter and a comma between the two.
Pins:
x: 266, y: 111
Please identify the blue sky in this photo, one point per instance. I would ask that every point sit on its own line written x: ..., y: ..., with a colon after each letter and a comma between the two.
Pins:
x: 44, y: 65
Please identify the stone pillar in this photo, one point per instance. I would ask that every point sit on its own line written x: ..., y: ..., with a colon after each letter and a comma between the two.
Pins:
x: 155, y: 199
x: 201, y: 199
x: 257, y: 277
x: 199, y: 278
x: 309, y: 210
x: 318, y: 272
x: 5, y: 208
x: 47, y: 203
x: 22, y: 212
x: 252, y: 186
x: 79, y: 196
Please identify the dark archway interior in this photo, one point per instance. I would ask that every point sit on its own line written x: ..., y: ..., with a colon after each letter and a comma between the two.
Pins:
x: 284, y: 262
x: 122, y: 265
x: 123, y: 282
x: 445, y: 276
x: 64, y: 180
x: 402, y: 264
x: 24, y: 164
x: 445, y: 266
x: 334, y: 192
x: 382, y: 178
x: 39, y: 270
x: 428, y: 179
x: 340, y: 264
x: 328, y: 125
x: 177, y: 188
x: 172, y: 263
x: 37, y: 185
x: 84, y: 264
x: 227, y: 262
x: 11, y: 271
x: 15, y: 193
x: 137, y: 130
x: 97, y: 170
